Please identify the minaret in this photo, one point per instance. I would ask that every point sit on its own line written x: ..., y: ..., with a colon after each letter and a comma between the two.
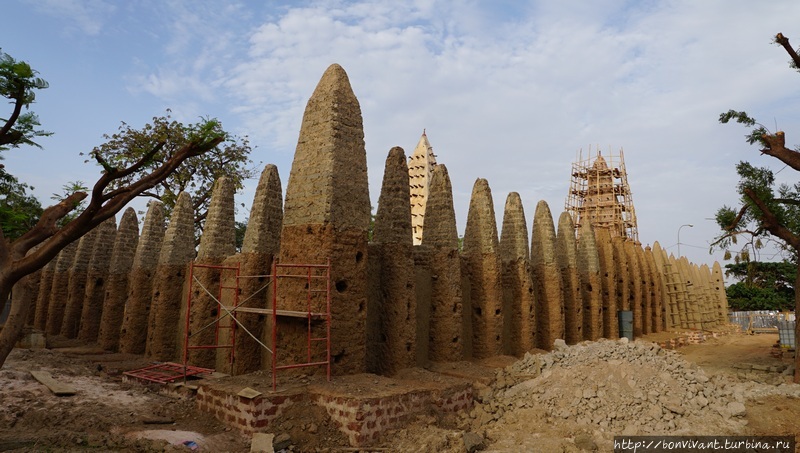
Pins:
x: 599, y: 194
x: 420, y: 170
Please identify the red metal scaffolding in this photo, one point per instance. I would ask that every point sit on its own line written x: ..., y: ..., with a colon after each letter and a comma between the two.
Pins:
x: 312, y: 287
x: 220, y: 315
x: 317, y: 282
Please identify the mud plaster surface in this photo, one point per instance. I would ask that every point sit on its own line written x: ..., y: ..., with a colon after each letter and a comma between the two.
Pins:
x: 347, y: 250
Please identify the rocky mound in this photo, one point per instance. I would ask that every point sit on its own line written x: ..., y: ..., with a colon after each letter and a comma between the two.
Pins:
x: 611, y: 388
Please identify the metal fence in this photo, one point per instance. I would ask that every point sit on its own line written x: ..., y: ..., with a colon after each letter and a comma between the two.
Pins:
x: 760, y: 321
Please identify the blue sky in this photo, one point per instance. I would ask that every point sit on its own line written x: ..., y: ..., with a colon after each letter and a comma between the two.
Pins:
x: 508, y: 90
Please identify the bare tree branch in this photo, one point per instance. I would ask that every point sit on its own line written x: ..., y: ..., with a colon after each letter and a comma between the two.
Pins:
x: 771, y: 223
x: 7, y: 137
x: 784, y: 41
x: 776, y: 147
x: 46, y: 226
x: 738, y: 219
x: 100, y: 208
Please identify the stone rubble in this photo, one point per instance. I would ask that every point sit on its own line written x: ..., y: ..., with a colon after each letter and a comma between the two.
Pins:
x: 620, y: 388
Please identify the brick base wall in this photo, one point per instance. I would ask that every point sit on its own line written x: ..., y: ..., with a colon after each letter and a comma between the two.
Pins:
x: 244, y: 414
x: 363, y: 420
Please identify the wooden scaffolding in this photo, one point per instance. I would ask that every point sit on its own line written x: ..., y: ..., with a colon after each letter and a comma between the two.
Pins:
x: 599, y: 193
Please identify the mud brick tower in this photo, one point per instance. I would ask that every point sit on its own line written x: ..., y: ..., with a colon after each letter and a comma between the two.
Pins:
x: 599, y: 193
x: 326, y: 216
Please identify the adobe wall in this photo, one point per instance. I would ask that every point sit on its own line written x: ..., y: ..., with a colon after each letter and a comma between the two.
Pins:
x: 165, y: 324
x: 681, y: 293
x: 710, y: 296
x: 692, y: 302
x: 259, y: 248
x: 133, y: 333
x: 59, y: 291
x: 96, y: 279
x: 547, y: 282
x: 43, y: 296
x: 216, y: 244
x: 519, y: 317
x: 622, y: 273
x: 672, y: 316
x: 480, y: 252
x: 224, y: 287
x: 646, y: 300
x: 591, y: 286
x: 634, y: 286
x: 656, y: 292
x: 566, y: 257
x: 393, y: 307
x: 718, y: 284
x: 447, y: 331
x: 326, y: 216
x: 116, y: 291
x: 423, y: 291
x: 466, y: 310
x: 608, y: 277
x: 77, y: 285
x: 26, y: 292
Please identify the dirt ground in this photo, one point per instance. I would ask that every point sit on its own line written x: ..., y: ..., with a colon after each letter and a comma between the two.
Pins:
x: 768, y: 415
x: 107, y: 414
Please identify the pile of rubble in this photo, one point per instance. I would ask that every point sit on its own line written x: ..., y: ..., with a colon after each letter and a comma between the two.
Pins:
x: 620, y: 387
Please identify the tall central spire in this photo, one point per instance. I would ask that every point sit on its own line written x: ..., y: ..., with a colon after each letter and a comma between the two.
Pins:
x: 420, y: 170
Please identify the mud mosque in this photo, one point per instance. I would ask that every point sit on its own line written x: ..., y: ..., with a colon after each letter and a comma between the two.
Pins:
x: 310, y: 289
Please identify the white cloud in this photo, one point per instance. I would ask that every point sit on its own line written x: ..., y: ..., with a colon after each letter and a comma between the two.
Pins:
x: 88, y: 16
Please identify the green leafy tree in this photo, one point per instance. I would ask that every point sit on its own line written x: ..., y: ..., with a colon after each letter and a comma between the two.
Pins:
x: 761, y: 285
x: 18, y: 84
x: 766, y: 211
x: 120, y: 181
x: 196, y: 176
x: 759, y: 196
x: 19, y: 211
x: 241, y: 229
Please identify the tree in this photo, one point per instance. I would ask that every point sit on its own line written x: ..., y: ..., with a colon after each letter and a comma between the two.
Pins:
x: 761, y: 285
x: 241, y: 229
x: 119, y: 183
x: 19, y: 211
x: 196, y: 176
x: 67, y: 190
x: 763, y: 213
x: 18, y: 84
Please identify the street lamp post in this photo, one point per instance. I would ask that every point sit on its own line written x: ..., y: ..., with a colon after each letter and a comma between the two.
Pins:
x: 679, y: 237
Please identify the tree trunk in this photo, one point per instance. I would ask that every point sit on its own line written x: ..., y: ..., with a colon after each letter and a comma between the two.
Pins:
x: 797, y: 327
x: 20, y: 307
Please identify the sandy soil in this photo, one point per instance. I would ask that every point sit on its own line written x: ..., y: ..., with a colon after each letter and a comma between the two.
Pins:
x: 769, y: 415
x: 109, y: 415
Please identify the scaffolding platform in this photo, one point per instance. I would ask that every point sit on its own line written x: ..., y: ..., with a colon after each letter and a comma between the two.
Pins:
x: 167, y: 372
x: 316, y: 297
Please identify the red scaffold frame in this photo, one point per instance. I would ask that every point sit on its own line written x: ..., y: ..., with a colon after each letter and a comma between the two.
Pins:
x: 311, y: 274
x: 216, y: 323
x: 309, y: 314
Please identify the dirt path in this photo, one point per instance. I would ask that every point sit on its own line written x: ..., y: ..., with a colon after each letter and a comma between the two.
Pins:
x: 104, y: 415
x: 730, y: 355
x: 724, y: 353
